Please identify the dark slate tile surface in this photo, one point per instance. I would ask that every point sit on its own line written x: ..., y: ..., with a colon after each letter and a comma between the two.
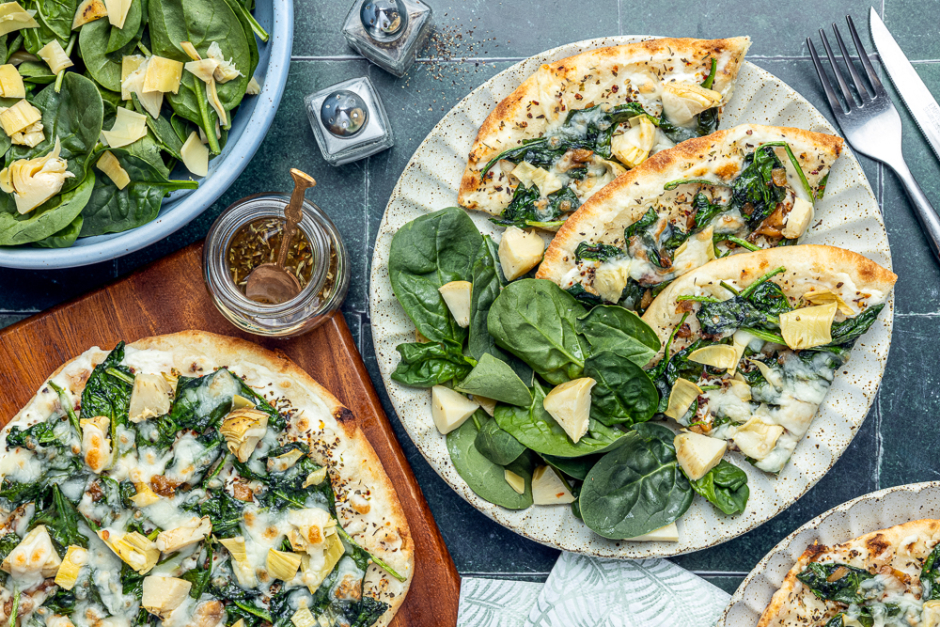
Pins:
x: 472, y: 41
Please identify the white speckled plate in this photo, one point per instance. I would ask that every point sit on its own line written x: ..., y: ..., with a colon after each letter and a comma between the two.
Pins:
x: 848, y: 217
x: 871, y: 512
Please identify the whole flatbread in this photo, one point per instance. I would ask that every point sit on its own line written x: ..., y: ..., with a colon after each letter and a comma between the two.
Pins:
x: 718, y: 157
x: 901, y: 549
x: 859, y: 281
x: 614, y: 75
x: 335, y: 440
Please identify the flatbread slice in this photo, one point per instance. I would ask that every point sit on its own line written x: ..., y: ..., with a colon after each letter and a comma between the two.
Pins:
x: 160, y: 446
x: 754, y: 341
x: 583, y: 120
x: 685, y: 206
x: 886, y: 577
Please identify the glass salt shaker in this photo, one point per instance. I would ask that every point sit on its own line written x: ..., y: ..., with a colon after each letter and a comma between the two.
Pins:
x: 349, y: 121
x: 388, y: 32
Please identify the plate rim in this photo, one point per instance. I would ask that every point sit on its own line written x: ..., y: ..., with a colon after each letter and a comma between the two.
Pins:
x: 643, y: 550
x: 113, y: 246
x: 784, y: 544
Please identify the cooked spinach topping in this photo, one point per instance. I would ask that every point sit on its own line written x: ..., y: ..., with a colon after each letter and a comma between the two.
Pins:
x: 596, y: 252
x: 929, y: 576
x: 835, y: 582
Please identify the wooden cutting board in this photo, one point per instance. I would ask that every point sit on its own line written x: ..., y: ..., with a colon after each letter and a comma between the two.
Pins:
x: 169, y: 296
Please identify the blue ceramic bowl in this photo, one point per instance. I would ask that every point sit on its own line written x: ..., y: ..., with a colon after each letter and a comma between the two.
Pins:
x: 249, y: 128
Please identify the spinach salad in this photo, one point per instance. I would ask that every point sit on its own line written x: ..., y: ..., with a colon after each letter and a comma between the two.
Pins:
x: 100, y: 99
x: 522, y: 342
x: 174, y: 500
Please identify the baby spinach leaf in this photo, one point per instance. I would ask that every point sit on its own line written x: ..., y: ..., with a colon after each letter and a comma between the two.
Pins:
x: 610, y: 327
x: 165, y: 135
x: 112, y: 210
x: 35, y: 38
x: 48, y: 220
x: 426, y: 364
x: 131, y: 31
x: 427, y: 253
x: 64, y: 238
x: 835, y: 582
x: 495, y: 379
x: 624, y: 393
x: 57, y: 15
x: 486, y: 479
x: 35, y: 72
x: 575, y: 467
x: 637, y: 488
x: 103, y: 66
x: 537, y: 430
x: 497, y: 445
x: 725, y: 487
x: 537, y: 321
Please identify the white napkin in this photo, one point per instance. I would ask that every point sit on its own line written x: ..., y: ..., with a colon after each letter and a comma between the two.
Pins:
x: 586, y: 591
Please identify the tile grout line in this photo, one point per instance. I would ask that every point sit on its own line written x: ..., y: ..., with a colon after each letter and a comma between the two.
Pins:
x: 454, y: 60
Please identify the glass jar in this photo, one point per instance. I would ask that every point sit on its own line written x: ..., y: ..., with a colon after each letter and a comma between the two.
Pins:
x: 318, y: 300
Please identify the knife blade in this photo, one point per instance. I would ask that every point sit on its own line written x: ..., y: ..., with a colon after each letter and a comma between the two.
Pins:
x: 915, y: 95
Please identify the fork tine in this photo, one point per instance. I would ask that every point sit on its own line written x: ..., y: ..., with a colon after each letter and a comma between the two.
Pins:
x: 860, y: 87
x: 863, y: 56
x: 849, y: 101
x: 824, y: 79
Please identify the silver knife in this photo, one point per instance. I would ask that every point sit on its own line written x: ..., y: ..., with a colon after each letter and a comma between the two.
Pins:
x: 917, y: 98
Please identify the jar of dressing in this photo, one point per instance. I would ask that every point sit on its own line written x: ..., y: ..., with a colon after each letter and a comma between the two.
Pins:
x: 247, y: 234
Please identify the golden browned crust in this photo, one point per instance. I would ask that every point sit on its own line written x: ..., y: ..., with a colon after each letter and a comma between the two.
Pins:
x: 875, y: 550
x: 545, y: 95
x: 629, y: 196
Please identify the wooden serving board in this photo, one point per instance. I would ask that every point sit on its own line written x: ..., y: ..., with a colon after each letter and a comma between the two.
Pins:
x: 169, y: 296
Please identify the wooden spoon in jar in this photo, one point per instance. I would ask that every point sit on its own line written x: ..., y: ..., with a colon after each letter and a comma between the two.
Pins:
x: 271, y: 283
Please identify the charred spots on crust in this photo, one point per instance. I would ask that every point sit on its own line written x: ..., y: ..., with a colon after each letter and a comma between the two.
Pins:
x: 877, y: 544
x: 814, y: 551
x: 344, y: 415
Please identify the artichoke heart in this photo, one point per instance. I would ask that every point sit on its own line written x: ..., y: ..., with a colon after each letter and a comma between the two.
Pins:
x: 242, y: 430
x: 282, y: 565
x: 808, y: 327
x: 244, y: 573
x: 109, y: 164
x: 254, y: 87
x: 54, y: 56
x: 193, y: 531
x: 11, y: 83
x: 570, y: 405
x: 34, y: 181
x: 683, y: 101
x: 756, y: 438
x: 516, y: 482
x: 770, y: 375
x: 190, y: 50
x: 163, y: 75
x: 316, y: 477
x: 213, y: 95
x: 720, y: 356
x: 96, y: 446
x: 611, y: 278
x: 822, y: 296
x: 134, y: 549
x: 695, y: 251
x: 67, y: 575
x: 34, y: 557
x: 226, y: 70
x: 683, y: 394
x: 89, y: 11
x: 14, y: 17
x: 151, y: 394
x: 145, y: 495
x: 457, y: 296
x: 129, y: 64
x: 304, y: 618
x: 519, y: 251
x: 19, y: 117
x: 312, y: 527
x: 195, y: 155
x: 162, y: 595
x: 799, y: 218
x: 633, y: 147
x: 314, y: 571
x: 30, y: 136
x: 202, y: 69
x: 129, y: 126
x: 697, y: 454
x: 117, y: 11
x: 285, y: 461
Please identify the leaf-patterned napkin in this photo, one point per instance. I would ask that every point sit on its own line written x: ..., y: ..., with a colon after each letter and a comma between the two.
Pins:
x: 584, y: 591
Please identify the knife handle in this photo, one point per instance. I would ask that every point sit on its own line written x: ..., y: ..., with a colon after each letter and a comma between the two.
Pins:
x: 926, y: 214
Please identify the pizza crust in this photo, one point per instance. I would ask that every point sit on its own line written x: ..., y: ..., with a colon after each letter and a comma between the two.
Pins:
x: 352, y: 463
x: 896, y: 547
x: 614, y: 75
x: 719, y: 156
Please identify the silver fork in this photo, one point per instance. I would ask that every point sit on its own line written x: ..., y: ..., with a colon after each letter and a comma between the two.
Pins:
x: 872, y: 124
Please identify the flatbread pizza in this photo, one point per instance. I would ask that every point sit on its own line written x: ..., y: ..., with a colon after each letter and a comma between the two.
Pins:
x: 889, y: 578
x: 195, y: 479
x: 752, y: 342
x: 747, y: 187
x: 576, y: 124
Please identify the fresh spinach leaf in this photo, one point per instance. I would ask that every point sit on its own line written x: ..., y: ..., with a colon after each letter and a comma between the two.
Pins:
x: 64, y: 238
x: 537, y: 321
x: 427, y: 253
x: 486, y: 479
x: 35, y: 72
x: 574, y: 467
x: 425, y: 364
x: 103, y: 66
x: 495, y: 379
x: 835, y: 582
x: 52, y: 219
x: 636, y: 488
x: 624, y: 393
x: 725, y: 487
x: 132, y: 29
x: 495, y: 444
x: 609, y: 327
x: 537, y: 430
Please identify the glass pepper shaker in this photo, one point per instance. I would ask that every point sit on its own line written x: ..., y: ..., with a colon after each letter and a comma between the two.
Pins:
x: 388, y: 32
x: 349, y: 121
